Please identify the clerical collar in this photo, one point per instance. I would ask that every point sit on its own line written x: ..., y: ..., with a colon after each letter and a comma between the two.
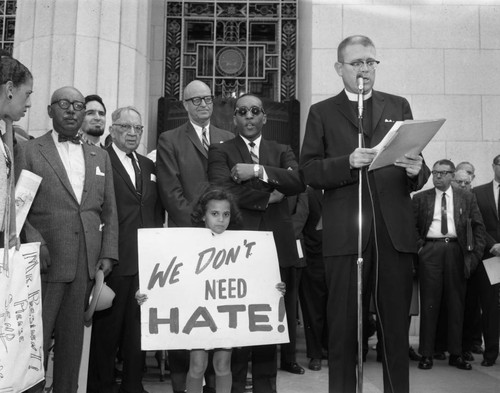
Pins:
x: 354, y: 96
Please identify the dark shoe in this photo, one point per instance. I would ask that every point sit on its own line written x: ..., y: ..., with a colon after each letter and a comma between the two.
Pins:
x: 315, y: 364
x: 293, y: 368
x: 413, y: 355
x: 477, y: 349
x: 439, y: 356
x: 425, y: 363
x: 459, y: 362
x: 487, y: 363
x: 467, y: 356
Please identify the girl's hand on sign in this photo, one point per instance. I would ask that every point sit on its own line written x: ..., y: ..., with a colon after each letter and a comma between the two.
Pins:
x: 281, y: 287
x: 141, y: 298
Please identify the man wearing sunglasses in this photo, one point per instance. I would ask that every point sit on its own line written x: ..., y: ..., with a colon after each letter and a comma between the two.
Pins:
x: 260, y: 173
x: 74, y: 218
x: 182, y: 160
x: 333, y: 160
x: 451, y: 242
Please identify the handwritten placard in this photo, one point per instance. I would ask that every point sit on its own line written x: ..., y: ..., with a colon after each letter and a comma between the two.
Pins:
x: 209, y: 291
x: 21, y: 337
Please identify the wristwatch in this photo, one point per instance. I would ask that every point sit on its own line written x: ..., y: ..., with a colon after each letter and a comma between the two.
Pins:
x: 256, y: 169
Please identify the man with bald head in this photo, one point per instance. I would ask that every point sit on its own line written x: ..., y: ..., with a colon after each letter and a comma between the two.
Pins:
x: 182, y: 161
x: 74, y: 218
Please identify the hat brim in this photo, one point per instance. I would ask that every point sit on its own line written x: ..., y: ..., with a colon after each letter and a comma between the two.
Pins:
x: 94, y: 295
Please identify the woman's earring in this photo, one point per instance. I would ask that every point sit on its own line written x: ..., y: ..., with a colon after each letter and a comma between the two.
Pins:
x: 10, y: 96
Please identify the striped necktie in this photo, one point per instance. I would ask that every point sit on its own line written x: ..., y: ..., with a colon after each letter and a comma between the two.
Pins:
x: 204, y: 138
x: 254, y: 153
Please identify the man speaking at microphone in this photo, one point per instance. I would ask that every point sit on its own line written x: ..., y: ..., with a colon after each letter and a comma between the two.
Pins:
x: 333, y: 160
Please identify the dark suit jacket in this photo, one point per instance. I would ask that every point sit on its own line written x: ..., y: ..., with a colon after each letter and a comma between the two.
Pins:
x: 331, y: 136
x: 487, y: 207
x: 464, y: 207
x: 182, y: 170
x: 253, y: 195
x: 134, y: 212
x: 57, y: 219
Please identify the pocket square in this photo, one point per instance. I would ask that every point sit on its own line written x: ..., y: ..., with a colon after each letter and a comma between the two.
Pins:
x: 98, y: 172
x: 153, y: 177
x: 389, y: 121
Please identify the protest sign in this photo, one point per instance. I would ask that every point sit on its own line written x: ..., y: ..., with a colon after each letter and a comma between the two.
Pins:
x: 21, y: 337
x: 209, y: 291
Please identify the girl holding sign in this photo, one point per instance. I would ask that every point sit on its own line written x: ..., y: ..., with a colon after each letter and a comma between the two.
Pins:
x: 215, y: 210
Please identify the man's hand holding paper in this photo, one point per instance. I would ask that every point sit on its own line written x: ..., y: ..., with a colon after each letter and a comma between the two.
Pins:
x: 362, y: 157
x: 411, y: 162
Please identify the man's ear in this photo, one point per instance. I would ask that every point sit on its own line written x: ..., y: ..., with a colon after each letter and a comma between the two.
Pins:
x: 338, y: 68
x: 49, y: 110
x: 264, y: 119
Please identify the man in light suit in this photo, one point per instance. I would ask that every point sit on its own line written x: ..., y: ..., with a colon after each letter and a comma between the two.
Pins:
x: 182, y: 160
x: 74, y: 217
x: 332, y: 160
x: 451, y: 239
x: 487, y: 196
x: 260, y: 173
x: 138, y: 207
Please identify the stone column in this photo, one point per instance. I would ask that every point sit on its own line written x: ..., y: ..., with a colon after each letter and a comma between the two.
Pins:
x: 98, y: 46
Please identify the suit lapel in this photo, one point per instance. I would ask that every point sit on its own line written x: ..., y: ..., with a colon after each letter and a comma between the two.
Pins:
x: 120, y: 169
x: 345, y: 108
x: 458, y: 207
x: 91, y: 167
x: 378, y: 105
x: 243, y: 149
x: 49, y: 151
x: 431, y: 200
x: 193, y: 137
x: 490, y: 198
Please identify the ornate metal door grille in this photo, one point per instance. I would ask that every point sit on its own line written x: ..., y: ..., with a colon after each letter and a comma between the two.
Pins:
x: 234, y: 46
x: 7, y: 24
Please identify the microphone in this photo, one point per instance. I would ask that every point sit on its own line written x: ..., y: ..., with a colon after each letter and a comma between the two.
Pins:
x: 360, y: 82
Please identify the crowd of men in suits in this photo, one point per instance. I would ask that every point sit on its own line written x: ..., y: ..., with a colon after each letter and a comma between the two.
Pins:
x: 93, y: 198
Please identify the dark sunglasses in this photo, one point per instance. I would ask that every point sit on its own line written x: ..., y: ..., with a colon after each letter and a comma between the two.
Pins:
x: 243, y: 110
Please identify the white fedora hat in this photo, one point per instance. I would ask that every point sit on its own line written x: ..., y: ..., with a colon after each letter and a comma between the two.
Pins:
x: 101, y: 296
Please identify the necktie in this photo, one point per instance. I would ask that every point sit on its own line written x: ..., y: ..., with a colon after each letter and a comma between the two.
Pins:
x: 204, y: 138
x: 137, y: 170
x: 253, y: 153
x: 444, y: 216
x: 73, y: 139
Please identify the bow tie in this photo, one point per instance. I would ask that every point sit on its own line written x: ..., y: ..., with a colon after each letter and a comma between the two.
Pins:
x: 73, y: 139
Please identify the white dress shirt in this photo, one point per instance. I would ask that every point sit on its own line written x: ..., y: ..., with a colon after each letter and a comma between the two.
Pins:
x: 72, y: 158
x: 435, y: 228
x: 199, y: 132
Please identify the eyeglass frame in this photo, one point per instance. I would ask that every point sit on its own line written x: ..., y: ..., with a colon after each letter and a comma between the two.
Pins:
x: 126, y: 128
x: 462, y: 182
x: 252, y: 109
x: 441, y: 173
x: 194, y: 100
x: 70, y: 103
x: 363, y: 63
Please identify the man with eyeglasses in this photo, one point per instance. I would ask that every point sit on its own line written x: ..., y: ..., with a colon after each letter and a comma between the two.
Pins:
x: 94, y: 122
x: 488, y: 200
x: 182, y: 161
x: 74, y: 218
x: 260, y: 173
x: 138, y: 206
x: 332, y: 160
x: 451, y: 240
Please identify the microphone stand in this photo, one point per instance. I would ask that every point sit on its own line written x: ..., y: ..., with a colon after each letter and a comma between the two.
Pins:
x: 359, y: 387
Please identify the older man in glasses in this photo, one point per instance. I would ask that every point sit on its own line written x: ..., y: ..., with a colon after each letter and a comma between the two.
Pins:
x: 74, y: 218
x: 451, y: 239
x: 182, y: 161
x: 138, y: 207
x: 260, y: 173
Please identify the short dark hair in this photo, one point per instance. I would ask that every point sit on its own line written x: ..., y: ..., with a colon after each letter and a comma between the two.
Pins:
x: 496, y: 160
x: 445, y: 162
x: 12, y: 70
x: 248, y: 95
x: 352, y: 40
x: 216, y: 193
x: 95, y: 97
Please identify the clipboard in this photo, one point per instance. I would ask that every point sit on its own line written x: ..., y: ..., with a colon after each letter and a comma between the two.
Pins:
x: 405, y: 137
